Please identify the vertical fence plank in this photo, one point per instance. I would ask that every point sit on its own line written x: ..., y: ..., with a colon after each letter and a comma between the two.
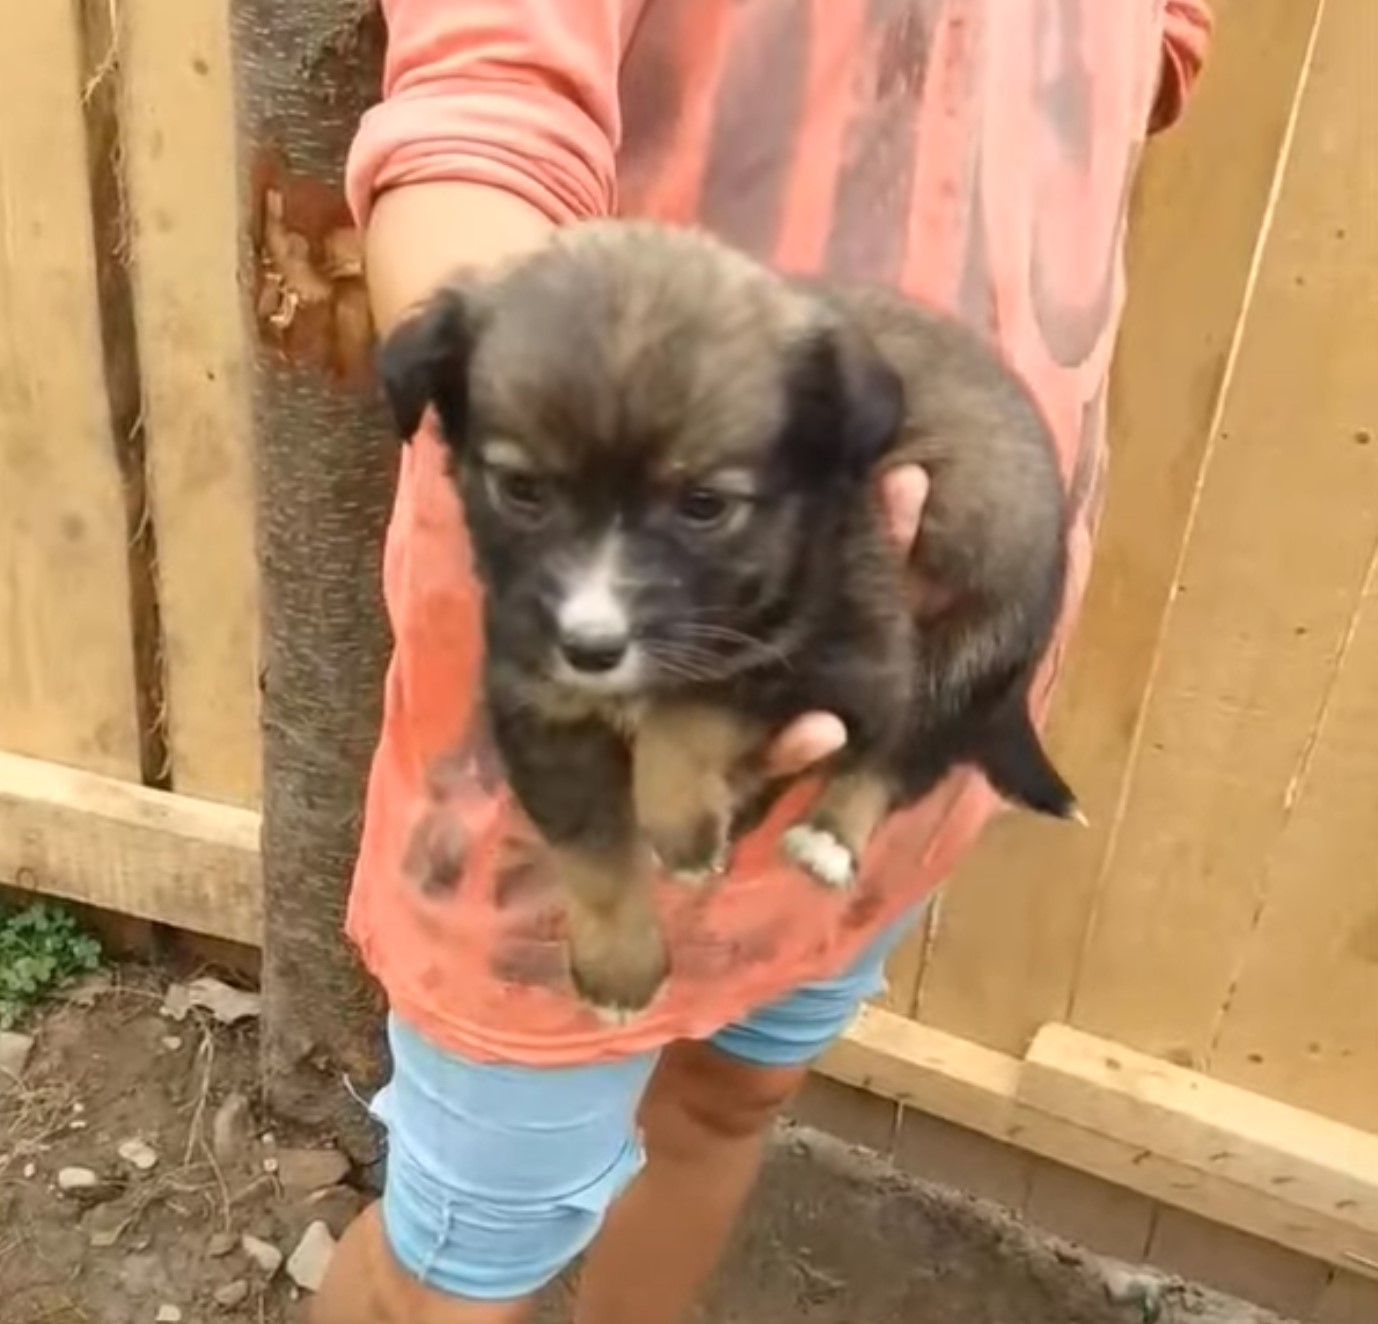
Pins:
x: 1303, y: 1021
x: 67, y: 676
x: 1280, y: 558
x: 1011, y: 928
x: 179, y: 136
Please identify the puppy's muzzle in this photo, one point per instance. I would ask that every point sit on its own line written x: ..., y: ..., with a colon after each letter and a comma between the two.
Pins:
x: 593, y: 648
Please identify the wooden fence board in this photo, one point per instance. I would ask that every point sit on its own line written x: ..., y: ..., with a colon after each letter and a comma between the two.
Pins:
x: 1010, y: 931
x: 1277, y: 561
x: 178, y: 117
x: 189, y: 863
x: 67, y: 683
x: 1167, y: 1146
x: 1302, y: 1023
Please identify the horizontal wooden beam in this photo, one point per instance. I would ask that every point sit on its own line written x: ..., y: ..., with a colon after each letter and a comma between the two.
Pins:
x: 1213, y: 1149
x: 180, y: 861
x: 1277, y: 1172
x: 1205, y: 1124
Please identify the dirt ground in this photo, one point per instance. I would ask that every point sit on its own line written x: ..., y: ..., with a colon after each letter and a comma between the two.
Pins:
x: 832, y: 1239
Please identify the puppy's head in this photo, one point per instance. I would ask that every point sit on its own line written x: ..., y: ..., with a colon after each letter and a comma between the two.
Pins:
x: 649, y: 433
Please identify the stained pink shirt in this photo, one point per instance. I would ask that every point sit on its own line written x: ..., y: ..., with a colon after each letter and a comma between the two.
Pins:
x: 975, y: 153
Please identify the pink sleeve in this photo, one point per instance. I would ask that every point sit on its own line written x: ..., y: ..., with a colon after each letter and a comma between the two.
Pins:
x: 520, y: 95
x: 1188, y: 28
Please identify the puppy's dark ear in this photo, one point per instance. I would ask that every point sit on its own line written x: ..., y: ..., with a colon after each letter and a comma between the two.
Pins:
x: 425, y: 361
x: 846, y: 404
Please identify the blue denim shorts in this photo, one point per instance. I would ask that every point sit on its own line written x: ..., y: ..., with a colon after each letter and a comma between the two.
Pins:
x: 498, y: 1177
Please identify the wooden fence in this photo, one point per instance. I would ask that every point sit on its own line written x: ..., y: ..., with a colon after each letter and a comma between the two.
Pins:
x: 1182, y: 1000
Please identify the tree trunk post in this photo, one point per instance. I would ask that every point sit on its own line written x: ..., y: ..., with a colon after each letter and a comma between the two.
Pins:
x: 325, y: 473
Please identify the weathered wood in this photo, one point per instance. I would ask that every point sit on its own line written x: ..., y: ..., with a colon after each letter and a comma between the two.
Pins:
x: 67, y: 682
x: 1214, y: 1128
x: 1231, y: 1261
x: 177, y: 112
x: 325, y: 472
x: 1010, y: 933
x: 189, y: 863
x: 1302, y: 1024
x: 1348, y: 1299
x: 1260, y: 638
x: 1160, y: 1148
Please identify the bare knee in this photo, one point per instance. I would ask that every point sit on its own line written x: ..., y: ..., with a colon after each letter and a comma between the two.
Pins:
x: 702, y: 1097
x: 366, y: 1285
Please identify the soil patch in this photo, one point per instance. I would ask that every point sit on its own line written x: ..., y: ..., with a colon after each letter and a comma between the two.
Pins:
x: 140, y: 1181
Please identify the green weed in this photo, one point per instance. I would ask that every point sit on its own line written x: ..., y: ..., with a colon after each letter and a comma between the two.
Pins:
x: 41, y: 947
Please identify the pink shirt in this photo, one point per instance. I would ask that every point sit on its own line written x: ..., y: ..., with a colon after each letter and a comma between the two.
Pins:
x: 976, y: 153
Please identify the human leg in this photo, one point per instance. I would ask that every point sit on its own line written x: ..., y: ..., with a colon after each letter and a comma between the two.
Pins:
x: 497, y: 1178
x: 705, y: 1119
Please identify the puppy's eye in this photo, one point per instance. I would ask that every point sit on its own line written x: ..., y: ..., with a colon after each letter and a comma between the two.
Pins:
x: 705, y: 508
x: 519, y: 493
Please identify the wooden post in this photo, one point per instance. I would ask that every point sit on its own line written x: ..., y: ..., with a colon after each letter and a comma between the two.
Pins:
x: 305, y: 72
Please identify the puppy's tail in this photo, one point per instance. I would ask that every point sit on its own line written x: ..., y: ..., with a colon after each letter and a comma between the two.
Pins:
x: 1012, y: 756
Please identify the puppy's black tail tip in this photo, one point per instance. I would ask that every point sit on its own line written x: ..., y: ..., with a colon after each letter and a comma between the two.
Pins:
x: 1018, y: 767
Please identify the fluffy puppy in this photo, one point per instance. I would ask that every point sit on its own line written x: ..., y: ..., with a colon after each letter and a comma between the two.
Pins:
x: 667, y: 457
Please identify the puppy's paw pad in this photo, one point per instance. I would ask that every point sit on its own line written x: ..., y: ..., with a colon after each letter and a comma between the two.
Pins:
x: 821, y: 855
x: 698, y: 856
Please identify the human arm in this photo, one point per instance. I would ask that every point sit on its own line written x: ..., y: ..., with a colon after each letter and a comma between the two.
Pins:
x: 1188, y: 27
x: 499, y: 120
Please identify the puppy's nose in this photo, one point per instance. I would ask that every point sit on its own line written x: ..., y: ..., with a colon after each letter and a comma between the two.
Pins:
x: 594, y: 650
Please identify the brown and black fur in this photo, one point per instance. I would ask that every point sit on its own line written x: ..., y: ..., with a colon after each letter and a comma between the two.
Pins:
x: 629, y: 368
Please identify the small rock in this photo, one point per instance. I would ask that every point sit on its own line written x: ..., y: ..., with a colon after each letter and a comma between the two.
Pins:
x: 1142, y: 1287
x: 104, y: 1236
x: 172, y: 1042
x: 77, y: 1179
x: 78, y: 1107
x: 138, y: 1155
x: 230, y: 1129
x: 263, y: 1253
x: 14, y: 1056
x: 221, y: 1244
x: 168, y: 1314
x: 269, y: 1139
x: 305, y: 1170
x: 176, y: 1003
x: 228, y: 1005
x: 311, y: 1259
x: 30, y: 1171
x: 86, y: 1187
x: 77, y: 1124
x: 270, y: 1166
x: 336, y: 1206
x: 232, y: 1294
x: 105, y: 1224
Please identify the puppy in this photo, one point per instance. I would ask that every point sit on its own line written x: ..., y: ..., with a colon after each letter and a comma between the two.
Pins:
x: 667, y: 456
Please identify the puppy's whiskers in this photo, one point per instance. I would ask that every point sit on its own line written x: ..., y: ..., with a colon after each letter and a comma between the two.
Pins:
x: 753, y: 649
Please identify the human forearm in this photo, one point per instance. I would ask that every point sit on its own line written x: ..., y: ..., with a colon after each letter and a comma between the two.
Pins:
x: 420, y: 234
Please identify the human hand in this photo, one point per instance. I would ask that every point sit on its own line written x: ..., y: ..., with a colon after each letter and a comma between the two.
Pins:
x: 814, y: 736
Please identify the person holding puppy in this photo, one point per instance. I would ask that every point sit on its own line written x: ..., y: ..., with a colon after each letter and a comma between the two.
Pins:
x: 976, y: 154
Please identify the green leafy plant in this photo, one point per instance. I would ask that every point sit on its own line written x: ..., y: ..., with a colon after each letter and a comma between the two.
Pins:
x: 41, y: 947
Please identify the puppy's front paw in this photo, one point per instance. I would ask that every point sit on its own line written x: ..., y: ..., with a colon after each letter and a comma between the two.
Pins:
x: 618, y: 972
x: 695, y: 853
x: 821, y: 854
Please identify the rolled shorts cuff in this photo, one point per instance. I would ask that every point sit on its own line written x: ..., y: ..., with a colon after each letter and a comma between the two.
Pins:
x: 498, y: 1178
